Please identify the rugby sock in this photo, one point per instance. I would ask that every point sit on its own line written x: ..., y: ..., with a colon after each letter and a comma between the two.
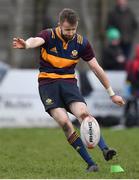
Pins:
x: 102, y: 145
x: 77, y: 144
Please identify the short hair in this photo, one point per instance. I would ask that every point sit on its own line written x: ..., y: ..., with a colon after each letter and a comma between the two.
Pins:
x: 68, y: 15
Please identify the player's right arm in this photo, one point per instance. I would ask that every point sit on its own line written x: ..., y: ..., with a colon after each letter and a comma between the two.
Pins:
x: 88, y: 55
x: 19, y: 43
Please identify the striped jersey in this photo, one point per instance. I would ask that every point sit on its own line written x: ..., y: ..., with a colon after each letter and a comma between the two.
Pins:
x: 58, y: 58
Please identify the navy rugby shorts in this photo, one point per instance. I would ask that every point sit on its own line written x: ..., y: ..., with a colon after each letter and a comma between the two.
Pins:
x: 59, y: 94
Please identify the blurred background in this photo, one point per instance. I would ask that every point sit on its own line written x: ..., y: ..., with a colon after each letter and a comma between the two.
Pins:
x: 111, y: 27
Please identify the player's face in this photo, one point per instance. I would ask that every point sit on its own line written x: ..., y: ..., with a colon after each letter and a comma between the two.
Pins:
x: 122, y: 3
x: 68, y: 30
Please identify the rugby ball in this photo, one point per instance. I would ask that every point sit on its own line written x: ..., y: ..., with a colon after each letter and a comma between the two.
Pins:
x: 90, y: 132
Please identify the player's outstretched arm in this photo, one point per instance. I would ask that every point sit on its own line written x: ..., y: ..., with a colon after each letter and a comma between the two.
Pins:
x: 19, y: 43
x: 99, y: 72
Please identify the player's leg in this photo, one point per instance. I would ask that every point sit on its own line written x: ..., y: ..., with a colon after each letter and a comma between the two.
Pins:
x: 79, y: 109
x: 51, y: 98
x: 75, y: 102
x: 61, y: 116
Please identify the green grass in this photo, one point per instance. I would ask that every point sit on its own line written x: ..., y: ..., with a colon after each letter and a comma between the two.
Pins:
x: 45, y: 153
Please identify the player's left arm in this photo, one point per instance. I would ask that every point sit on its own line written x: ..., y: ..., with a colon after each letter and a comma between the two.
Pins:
x: 101, y: 75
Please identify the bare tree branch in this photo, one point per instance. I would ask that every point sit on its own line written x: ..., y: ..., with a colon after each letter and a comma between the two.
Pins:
x: 87, y: 19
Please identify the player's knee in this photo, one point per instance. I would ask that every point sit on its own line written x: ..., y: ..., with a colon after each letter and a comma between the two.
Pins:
x: 84, y: 115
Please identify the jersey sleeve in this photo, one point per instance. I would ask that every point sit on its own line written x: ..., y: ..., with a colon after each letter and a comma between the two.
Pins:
x: 43, y: 34
x: 87, y: 52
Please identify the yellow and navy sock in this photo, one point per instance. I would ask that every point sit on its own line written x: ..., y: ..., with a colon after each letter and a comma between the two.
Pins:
x: 102, y: 145
x: 77, y: 144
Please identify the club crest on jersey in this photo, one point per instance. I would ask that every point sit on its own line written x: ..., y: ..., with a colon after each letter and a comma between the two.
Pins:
x: 74, y: 53
x: 49, y: 101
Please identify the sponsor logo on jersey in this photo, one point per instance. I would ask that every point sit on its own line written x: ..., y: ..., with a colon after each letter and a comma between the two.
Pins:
x: 49, y: 101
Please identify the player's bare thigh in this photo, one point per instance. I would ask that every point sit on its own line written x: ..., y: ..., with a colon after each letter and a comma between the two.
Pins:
x: 61, y: 117
x: 79, y: 110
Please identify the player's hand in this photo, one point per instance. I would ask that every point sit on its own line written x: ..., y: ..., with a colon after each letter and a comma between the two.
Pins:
x: 118, y: 100
x: 19, y: 43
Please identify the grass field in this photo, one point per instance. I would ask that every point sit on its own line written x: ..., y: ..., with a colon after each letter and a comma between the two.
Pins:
x: 44, y: 153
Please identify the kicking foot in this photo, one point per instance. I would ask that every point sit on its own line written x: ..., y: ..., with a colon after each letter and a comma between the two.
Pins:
x: 92, y: 168
x: 108, y: 153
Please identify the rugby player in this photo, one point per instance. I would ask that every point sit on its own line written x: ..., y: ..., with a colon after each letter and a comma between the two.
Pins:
x: 60, y: 50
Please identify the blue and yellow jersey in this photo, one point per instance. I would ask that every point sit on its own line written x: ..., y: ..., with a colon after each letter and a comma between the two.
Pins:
x: 59, y: 58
